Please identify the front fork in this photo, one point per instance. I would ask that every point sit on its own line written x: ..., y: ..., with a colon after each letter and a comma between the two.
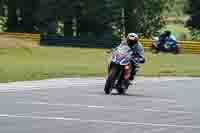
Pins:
x: 127, y: 71
x: 123, y: 82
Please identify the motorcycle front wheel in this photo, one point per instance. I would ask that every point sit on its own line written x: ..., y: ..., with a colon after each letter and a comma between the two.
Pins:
x: 110, y: 82
x: 123, y: 88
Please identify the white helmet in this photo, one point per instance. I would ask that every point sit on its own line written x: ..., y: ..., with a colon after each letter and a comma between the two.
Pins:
x: 132, y: 38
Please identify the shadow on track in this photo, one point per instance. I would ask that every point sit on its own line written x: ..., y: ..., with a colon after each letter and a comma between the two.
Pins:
x: 125, y: 95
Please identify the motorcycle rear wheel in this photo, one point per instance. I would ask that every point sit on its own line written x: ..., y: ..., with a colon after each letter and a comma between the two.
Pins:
x: 123, y: 87
x: 177, y: 50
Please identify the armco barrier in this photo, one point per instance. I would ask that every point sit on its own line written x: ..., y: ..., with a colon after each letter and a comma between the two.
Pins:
x: 189, y: 47
x: 25, y: 36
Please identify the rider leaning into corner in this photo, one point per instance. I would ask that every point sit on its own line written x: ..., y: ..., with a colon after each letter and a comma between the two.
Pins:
x: 132, y: 41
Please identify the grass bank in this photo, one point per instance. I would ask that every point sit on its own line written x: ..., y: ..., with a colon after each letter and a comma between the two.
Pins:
x: 50, y: 62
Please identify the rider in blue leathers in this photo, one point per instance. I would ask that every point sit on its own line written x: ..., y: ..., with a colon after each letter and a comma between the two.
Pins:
x: 167, y: 41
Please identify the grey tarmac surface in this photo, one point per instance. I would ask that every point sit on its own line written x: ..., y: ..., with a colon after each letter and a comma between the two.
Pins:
x: 75, y: 105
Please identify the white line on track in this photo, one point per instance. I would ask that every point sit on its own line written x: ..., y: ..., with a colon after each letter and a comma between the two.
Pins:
x: 98, y: 121
x: 106, y: 107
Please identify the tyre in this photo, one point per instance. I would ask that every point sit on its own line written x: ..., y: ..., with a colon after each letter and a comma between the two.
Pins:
x: 123, y: 88
x: 154, y: 50
x: 121, y: 91
x: 110, y: 80
x: 177, y: 50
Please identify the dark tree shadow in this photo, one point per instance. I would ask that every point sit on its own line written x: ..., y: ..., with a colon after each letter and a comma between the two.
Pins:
x: 60, y: 41
x: 126, y: 94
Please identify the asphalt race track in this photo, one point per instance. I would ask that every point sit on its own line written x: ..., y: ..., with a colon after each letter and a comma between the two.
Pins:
x: 74, y: 105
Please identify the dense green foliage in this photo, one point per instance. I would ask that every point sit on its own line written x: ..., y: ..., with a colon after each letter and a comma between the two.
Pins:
x: 194, y: 22
x: 177, y: 8
x: 86, y: 17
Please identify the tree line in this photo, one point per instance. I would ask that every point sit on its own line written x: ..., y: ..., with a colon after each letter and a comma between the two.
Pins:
x: 87, y: 17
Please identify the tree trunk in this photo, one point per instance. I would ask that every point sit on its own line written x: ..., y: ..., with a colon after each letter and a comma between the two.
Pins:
x: 12, y: 16
x: 131, y: 18
x: 68, y: 31
x: 27, y: 14
x: 27, y: 21
x: 1, y: 8
x: 52, y: 27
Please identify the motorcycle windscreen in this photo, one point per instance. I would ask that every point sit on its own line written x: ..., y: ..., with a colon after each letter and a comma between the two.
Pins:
x: 121, y: 55
x: 120, y: 59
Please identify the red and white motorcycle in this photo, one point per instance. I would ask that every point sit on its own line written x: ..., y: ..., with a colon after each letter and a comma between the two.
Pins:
x: 119, y: 70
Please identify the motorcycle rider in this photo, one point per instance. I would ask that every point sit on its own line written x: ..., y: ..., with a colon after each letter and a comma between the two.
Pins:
x: 132, y: 41
x: 167, y: 41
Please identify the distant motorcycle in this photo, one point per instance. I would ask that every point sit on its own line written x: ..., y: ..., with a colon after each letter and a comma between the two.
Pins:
x: 167, y: 47
x: 119, y: 70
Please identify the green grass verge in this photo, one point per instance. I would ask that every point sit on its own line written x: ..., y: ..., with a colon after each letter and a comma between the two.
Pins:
x: 42, y: 63
x: 49, y: 62
x: 171, y: 65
